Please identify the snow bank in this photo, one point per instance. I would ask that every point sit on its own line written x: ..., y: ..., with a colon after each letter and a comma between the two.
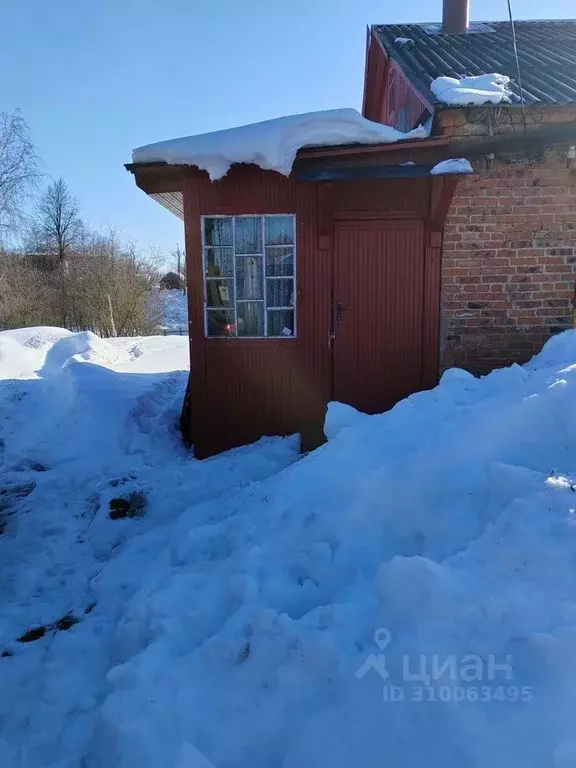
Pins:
x: 405, y: 595
x: 454, y: 165
x: 272, y: 144
x: 482, y: 89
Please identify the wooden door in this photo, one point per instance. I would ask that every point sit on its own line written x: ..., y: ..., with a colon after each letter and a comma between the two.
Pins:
x: 378, y: 312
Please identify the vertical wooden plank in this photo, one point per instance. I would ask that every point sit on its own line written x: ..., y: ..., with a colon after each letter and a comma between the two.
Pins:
x: 195, y: 280
x: 431, y: 313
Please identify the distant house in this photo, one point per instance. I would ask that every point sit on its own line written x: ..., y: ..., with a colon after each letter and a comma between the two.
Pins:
x: 172, y: 281
x: 373, y: 265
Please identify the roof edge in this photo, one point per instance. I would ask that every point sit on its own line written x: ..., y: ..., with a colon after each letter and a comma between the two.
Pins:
x: 321, y: 151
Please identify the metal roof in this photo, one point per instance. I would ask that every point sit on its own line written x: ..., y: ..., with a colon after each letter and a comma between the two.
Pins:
x: 546, y: 50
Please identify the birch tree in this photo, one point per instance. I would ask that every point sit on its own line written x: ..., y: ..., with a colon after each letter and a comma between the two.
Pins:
x: 19, y: 171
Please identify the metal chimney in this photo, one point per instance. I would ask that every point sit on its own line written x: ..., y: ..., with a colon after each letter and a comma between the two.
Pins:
x: 455, y: 16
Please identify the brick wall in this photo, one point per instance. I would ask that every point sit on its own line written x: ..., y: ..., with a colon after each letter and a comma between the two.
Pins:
x: 465, y: 121
x: 509, y: 263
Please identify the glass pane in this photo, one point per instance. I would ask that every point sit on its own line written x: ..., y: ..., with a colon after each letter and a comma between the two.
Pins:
x: 220, y: 322
x: 281, y: 322
x: 249, y: 277
x: 219, y: 261
x: 218, y: 231
x: 279, y: 261
x: 251, y: 318
x: 219, y: 293
x: 280, y: 293
x: 248, y: 234
x: 279, y: 230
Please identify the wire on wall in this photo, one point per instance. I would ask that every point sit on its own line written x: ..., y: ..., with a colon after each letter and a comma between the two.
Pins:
x: 515, y: 44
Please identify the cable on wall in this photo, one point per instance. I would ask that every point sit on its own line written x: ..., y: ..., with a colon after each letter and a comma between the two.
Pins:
x: 515, y: 44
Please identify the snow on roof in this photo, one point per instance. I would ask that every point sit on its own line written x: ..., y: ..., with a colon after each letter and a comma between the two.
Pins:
x: 454, y: 165
x: 272, y: 144
x: 482, y: 89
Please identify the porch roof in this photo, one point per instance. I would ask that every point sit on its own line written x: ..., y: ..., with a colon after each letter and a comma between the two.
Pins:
x: 164, y: 181
x: 403, y: 159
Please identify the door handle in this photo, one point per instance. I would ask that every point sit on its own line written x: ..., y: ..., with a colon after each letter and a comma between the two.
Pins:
x: 338, y: 309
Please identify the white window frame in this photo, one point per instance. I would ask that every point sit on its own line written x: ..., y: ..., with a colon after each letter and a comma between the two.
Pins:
x: 294, y: 277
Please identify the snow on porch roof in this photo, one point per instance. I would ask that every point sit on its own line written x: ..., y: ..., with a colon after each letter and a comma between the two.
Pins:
x: 272, y: 144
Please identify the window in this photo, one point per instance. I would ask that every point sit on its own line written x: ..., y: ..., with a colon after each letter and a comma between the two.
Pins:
x: 249, y: 276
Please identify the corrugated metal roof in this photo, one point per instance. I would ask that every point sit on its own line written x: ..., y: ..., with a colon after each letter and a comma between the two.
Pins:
x: 546, y: 50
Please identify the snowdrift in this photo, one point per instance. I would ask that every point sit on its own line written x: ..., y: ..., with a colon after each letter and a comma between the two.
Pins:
x: 403, y: 596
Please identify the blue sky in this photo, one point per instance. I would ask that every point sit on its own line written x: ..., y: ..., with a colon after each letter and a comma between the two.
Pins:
x: 95, y: 79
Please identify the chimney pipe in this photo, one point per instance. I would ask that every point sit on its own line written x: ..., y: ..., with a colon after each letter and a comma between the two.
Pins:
x: 455, y: 16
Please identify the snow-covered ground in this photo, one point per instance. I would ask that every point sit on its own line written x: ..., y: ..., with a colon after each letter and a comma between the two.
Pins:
x: 403, y: 596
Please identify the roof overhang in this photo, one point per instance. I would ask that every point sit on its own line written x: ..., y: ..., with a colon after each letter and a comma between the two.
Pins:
x: 165, y: 183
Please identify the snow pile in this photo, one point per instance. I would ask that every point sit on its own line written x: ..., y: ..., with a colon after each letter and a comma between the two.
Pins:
x: 478, y: 90
x: 403, y: 40
x: 454, y: 165
x: 405, y: 595
x: 272, y: 144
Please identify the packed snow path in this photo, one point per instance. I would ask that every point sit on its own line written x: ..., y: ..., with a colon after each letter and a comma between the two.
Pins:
x: 83, y: 421
x: 405, y: 595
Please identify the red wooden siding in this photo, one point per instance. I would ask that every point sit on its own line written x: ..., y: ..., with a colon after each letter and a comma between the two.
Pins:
x: 367, y: 234
x: 379, y: 280
x: 389, y: 97
x: 375, y: 80
x: 263, y: 386
x: 403, y: 107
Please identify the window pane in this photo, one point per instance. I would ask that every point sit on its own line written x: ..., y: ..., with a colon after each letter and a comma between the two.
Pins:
x: 279, y: 230
x: 281, y: 322
x: 279, y: 261
x: 221, y: 322
x: 219, y: 261
x: 249, y: 277
x: 251, y: 318
x: 219, y: 293
x: 218, y: 231
x: 280, y: 293
x: 248, y: 234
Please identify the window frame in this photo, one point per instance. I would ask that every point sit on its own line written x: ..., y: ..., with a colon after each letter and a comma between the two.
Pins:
x: 265, y: 277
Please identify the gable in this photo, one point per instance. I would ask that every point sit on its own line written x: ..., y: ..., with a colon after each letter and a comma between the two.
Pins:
x: 389, y: 96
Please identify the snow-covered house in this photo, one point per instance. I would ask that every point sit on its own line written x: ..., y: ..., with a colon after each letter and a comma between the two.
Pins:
x: 339, y: 256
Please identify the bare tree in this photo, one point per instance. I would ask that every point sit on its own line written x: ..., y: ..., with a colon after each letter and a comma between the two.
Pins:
x: 27, y: 296
x: 19, y: 172
x: 110, y: 288
x: 57, y: 227
x: 57, y: 231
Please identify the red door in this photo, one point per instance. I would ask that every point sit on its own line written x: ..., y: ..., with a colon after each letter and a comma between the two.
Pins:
x: 378, y: 312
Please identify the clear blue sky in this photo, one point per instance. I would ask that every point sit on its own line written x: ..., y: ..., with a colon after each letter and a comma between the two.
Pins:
x: 95, y: 79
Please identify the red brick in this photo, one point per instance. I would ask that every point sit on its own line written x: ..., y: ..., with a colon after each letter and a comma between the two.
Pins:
x: 510, y: 245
